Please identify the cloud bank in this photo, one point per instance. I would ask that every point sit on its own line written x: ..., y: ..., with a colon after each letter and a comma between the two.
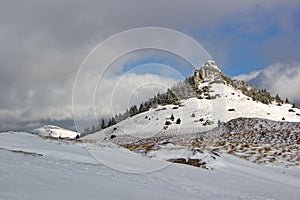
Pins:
x: 278, y: 78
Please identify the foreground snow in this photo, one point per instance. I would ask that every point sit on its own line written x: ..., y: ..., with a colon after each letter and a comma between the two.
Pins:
x: 36, y: 168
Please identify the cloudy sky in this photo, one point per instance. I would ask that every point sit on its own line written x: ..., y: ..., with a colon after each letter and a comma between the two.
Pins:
x: 43, y: 44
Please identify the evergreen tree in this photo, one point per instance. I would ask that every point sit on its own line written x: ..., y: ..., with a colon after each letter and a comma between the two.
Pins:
x: 109, y: 123
x: 142, y: 107
x: 126, y: 114
x: 87, y: 131
x: 113, y: 121
x: 93, y: 130
x: 133, y: 111
x: 103, y: 124
x: 154, y: 104
x: 287, y: 100
x: 172, y: 117
x: 278, y: 99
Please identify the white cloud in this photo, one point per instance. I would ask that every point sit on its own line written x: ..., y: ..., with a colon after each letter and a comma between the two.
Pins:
x: 247, y: 77
x: 278, y: 78
x: 130, y: 89
x: 114, y: 94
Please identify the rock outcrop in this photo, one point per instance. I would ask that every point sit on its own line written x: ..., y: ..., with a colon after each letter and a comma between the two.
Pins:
x: 207, y: 71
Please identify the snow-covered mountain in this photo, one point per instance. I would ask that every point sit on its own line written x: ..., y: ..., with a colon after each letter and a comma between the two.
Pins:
x: 218, y: 101
x: 56, y: 132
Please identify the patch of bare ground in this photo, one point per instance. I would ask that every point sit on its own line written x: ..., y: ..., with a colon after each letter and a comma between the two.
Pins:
x: 260, y: 141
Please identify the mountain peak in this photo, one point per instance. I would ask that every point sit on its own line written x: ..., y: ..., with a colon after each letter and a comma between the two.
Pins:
x: 210, y: 64
x: 208, y: 71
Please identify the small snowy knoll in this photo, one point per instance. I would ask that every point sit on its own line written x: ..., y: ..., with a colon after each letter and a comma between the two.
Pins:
x: 56, y: 132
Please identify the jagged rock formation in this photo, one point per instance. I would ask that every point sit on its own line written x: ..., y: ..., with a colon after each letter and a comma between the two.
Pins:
x: 207, y: 71
x: 197, y: 78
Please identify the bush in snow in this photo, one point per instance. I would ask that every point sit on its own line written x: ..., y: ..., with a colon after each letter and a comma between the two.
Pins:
x: 112, y: 136
x: 167, y: 123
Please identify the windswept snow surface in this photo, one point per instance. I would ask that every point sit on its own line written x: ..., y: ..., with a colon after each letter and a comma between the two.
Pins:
x: 33, y: 167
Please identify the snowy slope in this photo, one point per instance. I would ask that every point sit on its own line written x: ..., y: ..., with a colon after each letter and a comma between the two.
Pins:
x: 33, y: 167
x: 56, y: 132
x: 199, y: 115
x: 202, y: 122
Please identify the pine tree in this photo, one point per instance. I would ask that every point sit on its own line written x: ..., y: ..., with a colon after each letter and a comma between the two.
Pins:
x: 93, y: 130
x: 126, y: 114
x: 103, y: 124
x: 133, y: 111
x: 109, y: 123
x: 287, y: 101
x: 142, y: 107
x: 172, y: 117
x: 113, y: 121
x: 278, y: 99
x: 87, y: 131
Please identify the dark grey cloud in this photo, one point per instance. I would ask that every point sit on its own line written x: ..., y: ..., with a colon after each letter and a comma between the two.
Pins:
x: 42, y: 43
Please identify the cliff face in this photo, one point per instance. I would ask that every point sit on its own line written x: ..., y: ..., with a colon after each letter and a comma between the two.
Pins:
x: 197, y: 78
x: 207, y: 71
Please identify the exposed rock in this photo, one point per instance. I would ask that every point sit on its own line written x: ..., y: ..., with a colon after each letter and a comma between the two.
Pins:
x: 207, y: 70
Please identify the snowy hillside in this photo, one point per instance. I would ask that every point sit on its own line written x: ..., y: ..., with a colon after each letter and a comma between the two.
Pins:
x: 172, y: 131
x: 55, y: 132
x: 221, y: 103
x: 33, y: 167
